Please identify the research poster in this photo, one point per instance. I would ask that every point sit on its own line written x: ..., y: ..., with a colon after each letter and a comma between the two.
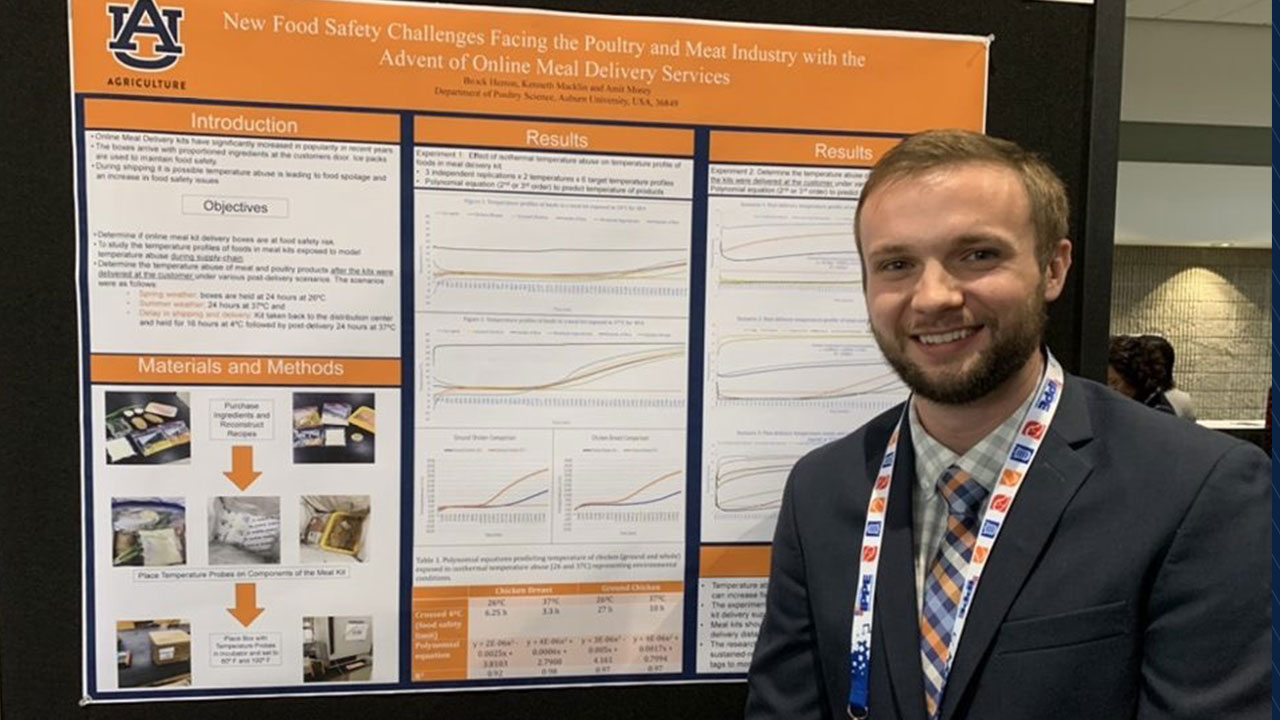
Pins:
x: 429, y: 347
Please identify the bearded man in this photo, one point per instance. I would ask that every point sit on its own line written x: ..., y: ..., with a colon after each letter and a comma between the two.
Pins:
x: 1012, y: 542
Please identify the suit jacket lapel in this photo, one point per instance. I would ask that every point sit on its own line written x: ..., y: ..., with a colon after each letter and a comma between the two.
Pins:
x: 896, y: 587
x: 1051, y: 482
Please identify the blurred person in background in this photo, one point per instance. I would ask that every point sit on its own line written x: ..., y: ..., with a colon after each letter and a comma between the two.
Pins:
x: 1137, y: 369
x: 1183, y: 407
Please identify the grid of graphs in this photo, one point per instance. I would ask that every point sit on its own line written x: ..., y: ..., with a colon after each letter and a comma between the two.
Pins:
x: 790, y: 359
x: 550, y: 486
x: 552, y: 370
x: 575, y: 334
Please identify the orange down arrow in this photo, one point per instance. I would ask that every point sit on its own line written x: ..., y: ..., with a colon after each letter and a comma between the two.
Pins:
x: 242, y: 472
x: 246, y: 609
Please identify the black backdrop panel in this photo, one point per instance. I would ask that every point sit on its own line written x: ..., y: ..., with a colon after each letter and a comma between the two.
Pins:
x: 1040, y: 94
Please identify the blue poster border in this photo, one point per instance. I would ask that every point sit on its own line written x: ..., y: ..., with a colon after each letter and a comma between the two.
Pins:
x: 1275, y: 355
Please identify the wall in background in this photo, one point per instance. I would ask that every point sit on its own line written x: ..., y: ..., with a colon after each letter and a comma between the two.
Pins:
x: 1213, y: 305
x: 1196, y: 72
x: 1195, y: 131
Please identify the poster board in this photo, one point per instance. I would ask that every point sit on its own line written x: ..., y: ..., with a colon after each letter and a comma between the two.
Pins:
x: 1040, y: 46
x: 507, y: 322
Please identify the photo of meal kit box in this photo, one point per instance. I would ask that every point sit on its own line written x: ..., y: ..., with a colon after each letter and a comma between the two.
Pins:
x: 169, y: 647
x: 153, y: 653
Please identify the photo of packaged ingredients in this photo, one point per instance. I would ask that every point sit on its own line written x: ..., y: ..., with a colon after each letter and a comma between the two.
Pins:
x: 308, y: 437
x: 336, y: 413
x: 147, y: 428
x: 333, y: 427
x: 306, y: 417
x: 244, y: 530
x: 148, y: 531
x: 364, y: 418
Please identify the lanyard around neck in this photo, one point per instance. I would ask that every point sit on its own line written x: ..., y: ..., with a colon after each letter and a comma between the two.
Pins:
x: 1032, y: 428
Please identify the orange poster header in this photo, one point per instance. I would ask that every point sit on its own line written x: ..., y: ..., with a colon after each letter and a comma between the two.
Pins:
x: 529, y: 64
x: 448, y: 592
x: 241, y: 370
x: 552, y: 136
x: 741, y: 561
x: 242, y: 121
x: 780, y: 149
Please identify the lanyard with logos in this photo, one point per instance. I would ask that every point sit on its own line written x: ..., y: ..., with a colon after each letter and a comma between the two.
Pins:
x: 1023, y: 451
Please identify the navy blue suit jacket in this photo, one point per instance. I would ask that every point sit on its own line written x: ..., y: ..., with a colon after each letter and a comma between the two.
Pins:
x: 1130, y: 579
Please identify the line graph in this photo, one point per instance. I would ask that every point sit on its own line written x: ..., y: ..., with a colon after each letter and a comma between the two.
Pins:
x: 555, y: 369
x: 750, y: 483
x: 620, y: 485
x: 783, y: 244
x: 800, y: 368
x: 503, y: 498
x: 639, y: 496
x: 651, y: 509
x: 536, y: 383
x: 745, y: 471
x: 540, y: 370
x: 599, y: 249
x: 592, y: 264
x: 483, y: 487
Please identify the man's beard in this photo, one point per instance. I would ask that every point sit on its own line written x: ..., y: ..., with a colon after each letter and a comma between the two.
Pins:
x: 1010, y: 349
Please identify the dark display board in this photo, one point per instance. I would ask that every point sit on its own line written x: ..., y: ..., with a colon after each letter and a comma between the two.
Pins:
x: 1054, y: 87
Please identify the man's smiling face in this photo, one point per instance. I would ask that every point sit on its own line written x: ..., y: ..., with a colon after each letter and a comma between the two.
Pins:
x: 954, y: 288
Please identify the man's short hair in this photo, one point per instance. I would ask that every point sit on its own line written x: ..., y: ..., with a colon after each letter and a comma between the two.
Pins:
x: 933, y: 149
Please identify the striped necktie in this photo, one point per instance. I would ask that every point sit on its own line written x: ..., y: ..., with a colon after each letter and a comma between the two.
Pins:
x: 963, y: 496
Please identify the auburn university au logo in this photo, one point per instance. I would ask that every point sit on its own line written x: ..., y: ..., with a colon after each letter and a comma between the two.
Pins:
x: 158, y: 27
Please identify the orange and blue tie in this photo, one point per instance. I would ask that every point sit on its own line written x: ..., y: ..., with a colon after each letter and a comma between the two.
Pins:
x: 942, y: 586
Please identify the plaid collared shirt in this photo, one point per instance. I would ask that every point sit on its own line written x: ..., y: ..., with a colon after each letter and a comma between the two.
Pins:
x: 929, y: 511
